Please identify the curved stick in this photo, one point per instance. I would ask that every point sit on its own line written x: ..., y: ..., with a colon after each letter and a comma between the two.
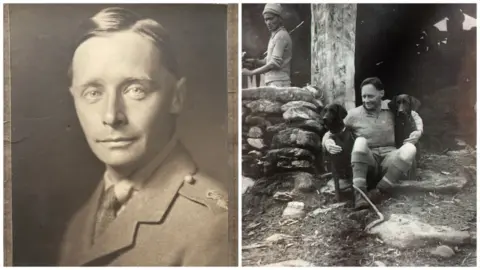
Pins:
x: 380, y: 215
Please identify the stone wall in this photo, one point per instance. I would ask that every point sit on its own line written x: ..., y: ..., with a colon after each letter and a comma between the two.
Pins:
x: 281, y: 135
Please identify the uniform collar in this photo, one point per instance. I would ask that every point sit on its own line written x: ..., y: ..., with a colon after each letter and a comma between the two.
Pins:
x: 149, y: 205
x: 140, y: 176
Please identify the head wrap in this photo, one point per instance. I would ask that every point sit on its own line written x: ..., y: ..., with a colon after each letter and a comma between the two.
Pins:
x: 273, y: 8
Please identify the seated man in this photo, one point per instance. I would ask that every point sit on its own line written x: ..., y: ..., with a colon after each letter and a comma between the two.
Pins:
x: 374, y: 152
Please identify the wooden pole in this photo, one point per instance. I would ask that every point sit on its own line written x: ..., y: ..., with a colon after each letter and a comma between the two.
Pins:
x: 333, y: 29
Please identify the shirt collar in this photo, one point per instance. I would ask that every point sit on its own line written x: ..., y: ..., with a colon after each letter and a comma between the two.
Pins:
x: 140, y: 176
x: 278, y: 30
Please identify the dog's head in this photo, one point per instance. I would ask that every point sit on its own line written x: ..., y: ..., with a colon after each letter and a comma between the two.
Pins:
x: 404, y: 104
x: 333, y: 115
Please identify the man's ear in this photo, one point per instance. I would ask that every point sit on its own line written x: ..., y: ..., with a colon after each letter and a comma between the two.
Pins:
x: 392, y: 105
x: 178, y: 97
x: 382, y: 93
x: 415, y: 103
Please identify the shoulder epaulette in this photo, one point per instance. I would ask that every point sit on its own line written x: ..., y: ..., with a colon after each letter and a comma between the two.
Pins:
x: 205, y: 190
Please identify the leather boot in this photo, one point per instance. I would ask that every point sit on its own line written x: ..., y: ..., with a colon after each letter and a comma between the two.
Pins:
x: 386, y: 186
x: 360, y: 202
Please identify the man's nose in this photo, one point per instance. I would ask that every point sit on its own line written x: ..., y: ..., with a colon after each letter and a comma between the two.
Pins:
x: 114, y: 114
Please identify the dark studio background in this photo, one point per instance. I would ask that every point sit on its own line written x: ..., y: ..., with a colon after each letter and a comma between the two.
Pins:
x: 53, y: 170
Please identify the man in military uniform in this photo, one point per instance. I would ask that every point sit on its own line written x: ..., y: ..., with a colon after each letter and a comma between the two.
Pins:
x: 153, y: 206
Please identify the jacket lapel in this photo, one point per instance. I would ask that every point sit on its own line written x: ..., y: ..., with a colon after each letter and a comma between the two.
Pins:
x: 86, y: 219
x: 149, y: 205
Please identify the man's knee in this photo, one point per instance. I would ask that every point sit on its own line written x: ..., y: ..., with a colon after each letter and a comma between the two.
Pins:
x: 360, y: 145
x: 407, y: 152
x: 360, y: 153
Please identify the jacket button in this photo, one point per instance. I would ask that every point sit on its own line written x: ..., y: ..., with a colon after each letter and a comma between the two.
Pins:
x: 189, y: 179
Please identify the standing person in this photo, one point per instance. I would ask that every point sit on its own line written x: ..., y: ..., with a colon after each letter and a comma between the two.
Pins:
x: 153, y: 206
x: 374, y: 152
x: 276, y: 65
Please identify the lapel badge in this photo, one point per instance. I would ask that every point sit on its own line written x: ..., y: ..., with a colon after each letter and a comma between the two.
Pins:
x: 216, y: 196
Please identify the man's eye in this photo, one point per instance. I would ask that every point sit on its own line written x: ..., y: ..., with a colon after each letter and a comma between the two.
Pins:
x: 93, y: 94
x: 136, y: 92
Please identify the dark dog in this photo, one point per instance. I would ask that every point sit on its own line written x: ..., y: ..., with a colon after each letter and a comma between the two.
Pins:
x: 402, y: 107
x: 333, y: 115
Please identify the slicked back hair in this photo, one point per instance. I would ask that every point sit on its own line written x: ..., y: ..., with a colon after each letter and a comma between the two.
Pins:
x: 116, y: 19
x: 375, y: 81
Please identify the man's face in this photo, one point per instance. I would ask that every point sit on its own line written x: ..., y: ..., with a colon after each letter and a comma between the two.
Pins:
x: 272, y: 21
x: 371, y: 97
x: 125, y: 100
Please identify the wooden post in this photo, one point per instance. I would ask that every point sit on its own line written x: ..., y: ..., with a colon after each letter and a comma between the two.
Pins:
x: 333, y: 51
x: 232, y: 35
x: 7, y: 147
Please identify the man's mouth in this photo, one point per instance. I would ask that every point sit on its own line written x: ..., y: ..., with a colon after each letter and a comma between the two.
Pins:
x: 117, y: 141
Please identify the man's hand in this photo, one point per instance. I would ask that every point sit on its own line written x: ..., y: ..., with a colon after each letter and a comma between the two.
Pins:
x: 246, y: 72
x: 331, y: 147
x: 251, y: 61
x: 414, y: 137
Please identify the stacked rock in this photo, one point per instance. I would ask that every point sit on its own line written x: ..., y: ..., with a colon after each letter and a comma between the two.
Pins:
x: 281, y: 134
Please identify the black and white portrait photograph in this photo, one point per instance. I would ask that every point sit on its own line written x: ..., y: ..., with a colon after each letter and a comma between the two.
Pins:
x: 358, y: 134
x: 119, y: 135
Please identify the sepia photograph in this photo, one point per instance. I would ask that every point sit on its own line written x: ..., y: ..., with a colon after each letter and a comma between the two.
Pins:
x: 118, y: 142
x: 358, y: 134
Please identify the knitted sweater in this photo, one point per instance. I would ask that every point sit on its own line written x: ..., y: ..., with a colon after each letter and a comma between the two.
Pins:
x: 279, y: 53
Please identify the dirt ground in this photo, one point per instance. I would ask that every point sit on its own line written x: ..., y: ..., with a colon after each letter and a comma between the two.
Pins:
x: 336, y: 239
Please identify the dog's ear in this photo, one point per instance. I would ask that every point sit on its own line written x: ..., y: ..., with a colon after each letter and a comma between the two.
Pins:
x: 392, y: 105
x: 342, y: 113
x: 415, y: 103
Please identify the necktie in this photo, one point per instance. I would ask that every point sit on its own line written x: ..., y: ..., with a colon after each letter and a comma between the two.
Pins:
x: 107, y: 210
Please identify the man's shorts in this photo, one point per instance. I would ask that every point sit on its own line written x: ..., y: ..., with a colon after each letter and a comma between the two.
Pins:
x: 379, y: 160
